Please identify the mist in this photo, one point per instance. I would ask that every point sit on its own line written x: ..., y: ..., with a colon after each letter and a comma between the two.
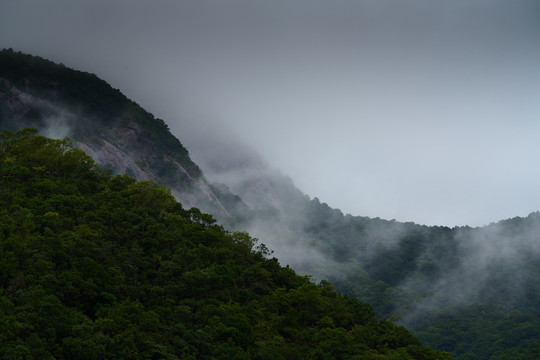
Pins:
x: 347, y: 128
x: 415, y: 111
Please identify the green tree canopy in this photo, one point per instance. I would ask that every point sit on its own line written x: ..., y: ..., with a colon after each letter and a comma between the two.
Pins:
x: 101, y: 267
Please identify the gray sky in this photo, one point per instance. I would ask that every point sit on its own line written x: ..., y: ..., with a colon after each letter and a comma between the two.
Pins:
x: 419, y: 110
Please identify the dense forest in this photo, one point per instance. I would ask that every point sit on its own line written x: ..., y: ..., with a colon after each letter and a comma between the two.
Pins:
x: 474, y: 292
x: 102, y: 267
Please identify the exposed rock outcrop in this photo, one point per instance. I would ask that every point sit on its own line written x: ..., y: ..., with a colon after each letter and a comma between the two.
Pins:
x: 117, y: 133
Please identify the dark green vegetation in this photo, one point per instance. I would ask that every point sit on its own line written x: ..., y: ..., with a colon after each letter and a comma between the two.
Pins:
x: 101, y: 267
x: 472, y: 292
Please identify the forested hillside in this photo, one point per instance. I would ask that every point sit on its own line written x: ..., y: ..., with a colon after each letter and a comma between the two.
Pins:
x: 101, y: 267
x: 471, y: 291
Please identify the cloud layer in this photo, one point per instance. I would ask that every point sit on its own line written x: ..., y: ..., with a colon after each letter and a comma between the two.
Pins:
x: 418, y: 111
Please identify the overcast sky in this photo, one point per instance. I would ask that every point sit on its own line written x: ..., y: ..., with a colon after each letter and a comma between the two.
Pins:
x: 414, y: 110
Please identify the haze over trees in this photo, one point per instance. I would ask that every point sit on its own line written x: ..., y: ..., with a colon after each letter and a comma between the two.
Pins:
x: 471, y: 291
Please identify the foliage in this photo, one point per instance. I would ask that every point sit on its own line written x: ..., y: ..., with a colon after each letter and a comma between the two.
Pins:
x: 399, y: 268
x: 101, y: 267
x: 472, y: 292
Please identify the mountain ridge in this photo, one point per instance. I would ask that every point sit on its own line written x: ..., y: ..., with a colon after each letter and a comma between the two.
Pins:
x: 460, y: 289
x: 38, y: 93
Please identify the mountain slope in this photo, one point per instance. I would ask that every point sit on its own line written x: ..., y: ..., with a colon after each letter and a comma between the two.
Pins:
x: 101, y: 267
x: 115, y: 131
x: 473, y: 292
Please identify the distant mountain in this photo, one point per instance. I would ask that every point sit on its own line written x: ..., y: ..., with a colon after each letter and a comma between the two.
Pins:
x: 474, y: 292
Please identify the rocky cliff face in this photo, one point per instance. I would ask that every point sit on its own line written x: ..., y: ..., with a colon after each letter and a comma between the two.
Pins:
x: 113, y: 130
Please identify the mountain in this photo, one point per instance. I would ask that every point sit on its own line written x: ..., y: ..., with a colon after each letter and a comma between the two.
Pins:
x: 471, y: 291
x: 474, y: 292
x: 101, y: 267
x: 114, y: 130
